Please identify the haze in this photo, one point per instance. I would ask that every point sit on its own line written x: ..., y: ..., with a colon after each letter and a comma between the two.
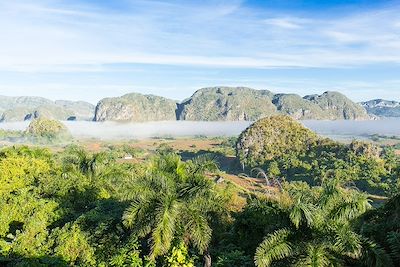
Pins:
x: 166, y: 129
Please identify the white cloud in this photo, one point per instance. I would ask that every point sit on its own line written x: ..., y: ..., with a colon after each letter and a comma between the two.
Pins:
x: 49, y: 36
x: 283, y: 23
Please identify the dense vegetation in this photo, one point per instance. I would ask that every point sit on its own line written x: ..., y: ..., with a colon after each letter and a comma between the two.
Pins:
x: 72, y: 207
x: 288, y: 151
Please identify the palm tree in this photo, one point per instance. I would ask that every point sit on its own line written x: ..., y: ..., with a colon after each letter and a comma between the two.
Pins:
x: 319, y: 233
x: 78, y: 159
x: 173, y: 203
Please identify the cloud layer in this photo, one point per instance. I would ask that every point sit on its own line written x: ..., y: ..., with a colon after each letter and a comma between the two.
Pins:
x: 43, y: 35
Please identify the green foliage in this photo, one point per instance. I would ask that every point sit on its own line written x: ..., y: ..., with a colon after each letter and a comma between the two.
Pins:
x: 173, y: 202
x: 319, y: 233
x: 234, y: 258
x: 80, y: 208
x: 128, y: 255
x: 285, y: 149
x: 54, y: 211
x: 271, y: 138
x: 48, y: 130
x: 73, y: 245
x: 383, y: 227
x: 179, y: 257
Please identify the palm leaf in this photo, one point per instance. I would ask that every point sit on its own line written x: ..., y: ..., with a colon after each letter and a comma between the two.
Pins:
x: 375, y: 256
x: 167, y: 215
x: 274, y: 248
x: 316, y: 256
x: 347, y: 242
x: 198, y: 229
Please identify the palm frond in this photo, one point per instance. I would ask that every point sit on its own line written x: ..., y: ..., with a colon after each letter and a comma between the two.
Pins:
x: 202, y: 164
x: 274, y: 248
x: 374, y: 255
x: 167, y: 214
x: 139, y: 216
x: 393, y: 238
x: 198, y: 229
x: 316, y: 256
x: 350, y: 207
x: 348, y: 242
x: 301, y: 212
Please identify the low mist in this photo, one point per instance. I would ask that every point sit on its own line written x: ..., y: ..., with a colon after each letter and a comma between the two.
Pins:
x: 116, y: 130
x: 349, y: 128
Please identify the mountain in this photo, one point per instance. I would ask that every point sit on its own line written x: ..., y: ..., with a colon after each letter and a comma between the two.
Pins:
x: 297, y: 107
x: 206, y: 104
x: 26, y: 108
x: 335, y: 106
x: 227, y: 104
x: 382, y: 108
x: 136, y: 107
x: 242, y: 103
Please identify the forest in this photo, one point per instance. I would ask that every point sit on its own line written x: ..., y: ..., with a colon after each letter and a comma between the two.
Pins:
x: 309, y: 201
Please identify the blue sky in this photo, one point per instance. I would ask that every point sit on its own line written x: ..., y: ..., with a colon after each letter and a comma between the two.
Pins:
x: 88, y: 49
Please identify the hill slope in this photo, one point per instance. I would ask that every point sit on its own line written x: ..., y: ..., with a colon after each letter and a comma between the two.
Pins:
x: 135, y: 107
x: 337, y: 106
x: 207, y: 104
x: 242, y: 103
x: 227, y: 104
x: 26, y: 108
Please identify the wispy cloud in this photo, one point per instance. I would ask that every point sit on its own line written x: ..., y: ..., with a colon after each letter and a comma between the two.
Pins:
x: 47, y: 35
x: 286, y: 23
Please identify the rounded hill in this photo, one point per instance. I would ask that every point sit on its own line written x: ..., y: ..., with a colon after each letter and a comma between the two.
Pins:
x: 273, y: 137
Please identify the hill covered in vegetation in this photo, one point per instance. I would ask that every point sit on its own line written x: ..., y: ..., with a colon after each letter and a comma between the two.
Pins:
x: 136, y: 107
x: 49, y: 129
x: 227, y: 104
x: 207, y: 104
x: 39, y: 131
x: 28, y: 108
x: 286, y: 149
x: 230, y: 104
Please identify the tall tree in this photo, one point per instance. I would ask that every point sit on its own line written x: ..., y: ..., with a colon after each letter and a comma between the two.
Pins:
x: 173, y: 203
x: 319, y: 232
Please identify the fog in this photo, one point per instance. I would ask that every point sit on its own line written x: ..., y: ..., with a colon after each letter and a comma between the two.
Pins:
x: 386, y: 127
x: 115, y: 130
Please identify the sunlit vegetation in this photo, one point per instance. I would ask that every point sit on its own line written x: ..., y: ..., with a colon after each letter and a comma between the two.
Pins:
x: 323, y: 203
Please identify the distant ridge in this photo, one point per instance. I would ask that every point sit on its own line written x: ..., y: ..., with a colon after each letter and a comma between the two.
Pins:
x: 30, y: 107
x: 229, y: 104
x: 218, y: 103
x: 382, y: 108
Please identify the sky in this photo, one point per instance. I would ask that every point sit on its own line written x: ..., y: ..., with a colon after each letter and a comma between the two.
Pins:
x: 91, y: 49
